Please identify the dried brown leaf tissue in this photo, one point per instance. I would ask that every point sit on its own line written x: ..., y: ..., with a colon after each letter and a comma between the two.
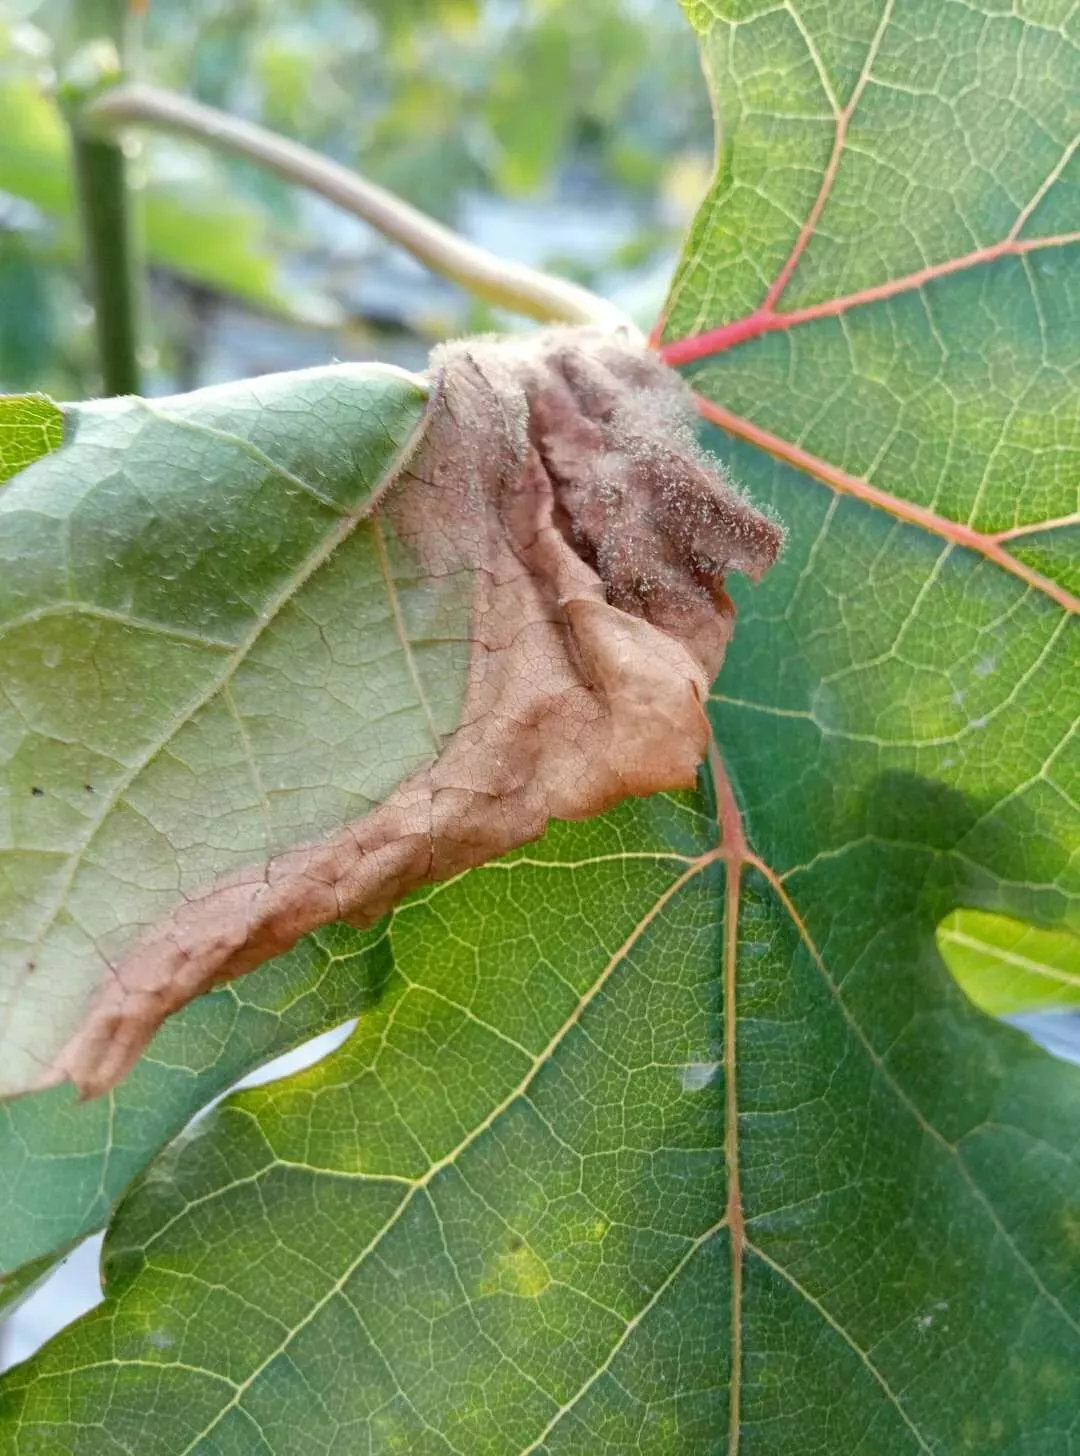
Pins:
x: 561, y: 472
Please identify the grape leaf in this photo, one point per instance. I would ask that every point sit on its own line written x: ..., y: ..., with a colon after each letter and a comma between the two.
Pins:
x: 1007, y: 966
x: 154, y: 568
x: 674, y: 1133
x: 62, y: 1165
x: 531, y: 608
x: 30, y: 426
x: 64, y: 1162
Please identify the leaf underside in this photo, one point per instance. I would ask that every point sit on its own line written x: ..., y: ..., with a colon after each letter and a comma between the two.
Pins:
x: 162, y: 571
x: 642, y: 1147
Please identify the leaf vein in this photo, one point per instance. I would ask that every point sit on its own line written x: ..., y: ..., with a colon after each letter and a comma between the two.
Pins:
x: 834, y: 1324
x: 450, y: 1158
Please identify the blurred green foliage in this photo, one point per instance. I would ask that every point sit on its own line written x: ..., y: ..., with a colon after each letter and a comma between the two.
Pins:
x: 594, y: 104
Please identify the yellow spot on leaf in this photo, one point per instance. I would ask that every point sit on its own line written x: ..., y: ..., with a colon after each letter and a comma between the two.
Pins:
x: 517, y: 1270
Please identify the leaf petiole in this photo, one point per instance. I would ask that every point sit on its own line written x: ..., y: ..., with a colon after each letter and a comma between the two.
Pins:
x: 509, y: 285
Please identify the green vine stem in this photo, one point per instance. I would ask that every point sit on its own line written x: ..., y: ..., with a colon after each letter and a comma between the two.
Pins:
x: 105, y: 204
x: 509, y: 285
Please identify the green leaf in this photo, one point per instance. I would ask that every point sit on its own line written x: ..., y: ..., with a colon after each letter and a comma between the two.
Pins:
x: 498, y: 1172
x: 223, y: 642
x: 1008, y: 967
x: 164, y: 571
x: 30, y: 426
x: 647, y: 1147
x: 64, y: 1162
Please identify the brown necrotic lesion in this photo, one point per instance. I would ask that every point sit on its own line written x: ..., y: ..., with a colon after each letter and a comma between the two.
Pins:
x: 639, y: 500
x: 559, y: 478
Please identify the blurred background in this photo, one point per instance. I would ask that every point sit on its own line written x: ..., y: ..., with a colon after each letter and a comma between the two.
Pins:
x: 574, y: 135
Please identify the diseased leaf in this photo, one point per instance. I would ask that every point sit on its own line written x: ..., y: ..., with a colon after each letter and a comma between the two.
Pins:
x: 63, y: 1162
x: 30, y: 426
x: 655, y: 1144
x: 545, y: 579
x: 161, y: 574
x: 1007, y: 966
x: 450, y: 1221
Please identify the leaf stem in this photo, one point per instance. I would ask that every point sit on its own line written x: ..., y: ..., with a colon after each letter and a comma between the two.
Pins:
x: 105, y: 216
x: 101, y: 174
x: 509, y: 285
